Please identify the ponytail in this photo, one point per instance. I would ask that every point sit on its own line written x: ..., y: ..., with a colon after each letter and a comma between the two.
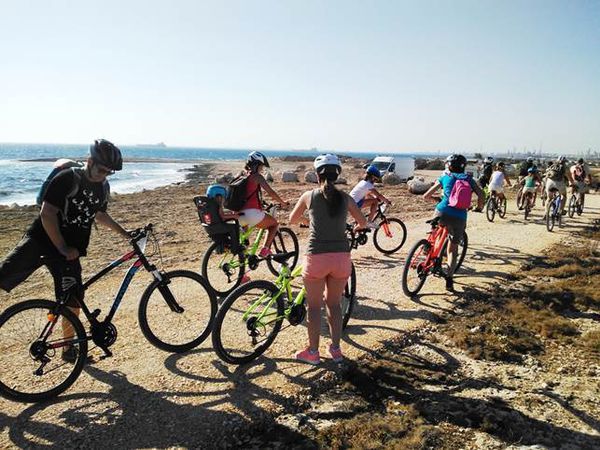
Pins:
x: 333, y: 197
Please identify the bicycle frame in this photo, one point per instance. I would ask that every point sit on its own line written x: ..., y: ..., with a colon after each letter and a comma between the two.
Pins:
x: 139, y: 247
x: 284, y: 282
x: 556, y: 200
x: 437, y: 238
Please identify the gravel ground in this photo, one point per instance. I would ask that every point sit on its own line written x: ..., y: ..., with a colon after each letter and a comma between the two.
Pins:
x: 143, y: 397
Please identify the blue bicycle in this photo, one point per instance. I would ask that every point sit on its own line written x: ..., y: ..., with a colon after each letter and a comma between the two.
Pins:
x: 554, y: 211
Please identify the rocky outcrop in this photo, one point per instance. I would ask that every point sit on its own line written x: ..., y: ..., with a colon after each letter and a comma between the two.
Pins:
x: 289, y: 177
x: 391, y: 179
x: 311, y: 177
x: 418, y: 185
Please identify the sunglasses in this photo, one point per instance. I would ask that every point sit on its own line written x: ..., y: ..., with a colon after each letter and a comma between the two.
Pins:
x: 103, y: 170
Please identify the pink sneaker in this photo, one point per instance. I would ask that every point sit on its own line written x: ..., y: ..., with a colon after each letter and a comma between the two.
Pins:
x: 336, y: 354
x: 245, y: 279
x: 264, y: 252
x: 308, y: 356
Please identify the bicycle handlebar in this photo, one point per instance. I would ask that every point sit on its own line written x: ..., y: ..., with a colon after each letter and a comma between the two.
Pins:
x: 140, y: 233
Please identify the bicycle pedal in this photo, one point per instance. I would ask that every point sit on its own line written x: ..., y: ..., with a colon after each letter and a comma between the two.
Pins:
x: 107, y: 353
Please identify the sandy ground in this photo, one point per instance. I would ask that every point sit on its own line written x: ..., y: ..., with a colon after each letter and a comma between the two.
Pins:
x: 143, y: 397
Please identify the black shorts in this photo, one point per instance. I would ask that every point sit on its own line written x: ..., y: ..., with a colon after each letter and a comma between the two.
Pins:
x: 28, y: 256
x: 456, y: 227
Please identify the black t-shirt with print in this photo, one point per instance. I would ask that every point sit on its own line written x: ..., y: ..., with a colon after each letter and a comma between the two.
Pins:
x: 81, y: 209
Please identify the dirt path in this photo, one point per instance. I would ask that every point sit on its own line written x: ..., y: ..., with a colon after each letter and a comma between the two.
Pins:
x: 143, y: 397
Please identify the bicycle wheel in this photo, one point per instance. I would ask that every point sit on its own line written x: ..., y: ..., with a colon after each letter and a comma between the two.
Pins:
x: 527, y: 207
x: 222, y: 269
x: 520, y: 198
x: 572, y: 205
x: 415, y: 272
x: 390, y: 235
x: 490, y: 209
x: 462, y: 250
x: 31, y: 347
x: 502, y: 208
x: 247, y: 322
x: 285, y: 241
x: 349, y: 298
x: 176, y: 314
x: 550, y: 216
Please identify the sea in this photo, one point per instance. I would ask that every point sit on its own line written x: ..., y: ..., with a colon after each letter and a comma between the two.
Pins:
x: 24, y: 167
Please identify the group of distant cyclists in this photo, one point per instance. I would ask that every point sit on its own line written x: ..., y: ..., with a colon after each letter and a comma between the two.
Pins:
x: 557, y: 177
x: 77, y: 197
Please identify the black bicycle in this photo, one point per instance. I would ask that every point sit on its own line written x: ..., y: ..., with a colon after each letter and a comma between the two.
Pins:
x: 44, y: 346
x: 388, y: 237
x: 495, y: 205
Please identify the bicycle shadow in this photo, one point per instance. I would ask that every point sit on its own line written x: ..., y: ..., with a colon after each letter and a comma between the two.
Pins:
x: 430, y: 379
x: 388, y: 311
x: 372, y: 262
x: 128, y: 416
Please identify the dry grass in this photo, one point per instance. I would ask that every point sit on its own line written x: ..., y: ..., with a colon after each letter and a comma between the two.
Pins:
x: 592, y: 341
x: 518, y: 321
x: 406, y: 430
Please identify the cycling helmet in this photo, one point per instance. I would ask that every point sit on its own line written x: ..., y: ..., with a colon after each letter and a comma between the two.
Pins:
x: 580, y: 161
x: 106, y: 153
x: 501, y: 164
x: 327, y: 163
x: 216, y: 189
x: 530, y: 159
x: 456, y: 162
x: 257, y: 158
x: 488, y: 160
x: 372, y: 170
x: 562, y: 159
x: 532, y: 169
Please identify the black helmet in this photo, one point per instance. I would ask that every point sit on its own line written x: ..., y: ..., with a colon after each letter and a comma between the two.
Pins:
x: 106, y: 153
x: 457, y: 163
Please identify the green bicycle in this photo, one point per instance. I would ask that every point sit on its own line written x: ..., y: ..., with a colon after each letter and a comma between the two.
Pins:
x: 251, y: 316
x: 224, y: 269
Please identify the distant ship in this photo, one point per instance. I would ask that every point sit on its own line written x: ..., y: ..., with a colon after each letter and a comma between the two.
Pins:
x: 160, y: 144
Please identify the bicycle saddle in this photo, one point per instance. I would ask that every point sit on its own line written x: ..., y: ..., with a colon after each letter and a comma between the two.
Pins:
x: 281, y: 258
x: 433, y: 222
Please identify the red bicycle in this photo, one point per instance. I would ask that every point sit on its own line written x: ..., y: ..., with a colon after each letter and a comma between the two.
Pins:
x: 427, y: 256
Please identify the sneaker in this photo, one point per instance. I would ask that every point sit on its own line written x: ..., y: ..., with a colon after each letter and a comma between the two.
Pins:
x: 264, y: 252
x: 449, y: 284
x: 70, y: 354
x: 245, y: 279
x: 308, y: 356
x: 336, y: 354
x: 371, y: 225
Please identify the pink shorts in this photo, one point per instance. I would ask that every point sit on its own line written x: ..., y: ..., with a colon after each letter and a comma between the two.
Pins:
x: 323, y: 265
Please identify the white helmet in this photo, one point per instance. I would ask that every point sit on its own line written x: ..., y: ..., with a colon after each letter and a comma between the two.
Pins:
x: 562, y: 159
x: 488, y: 160
x: 257, y: 158
x: 328, y: 163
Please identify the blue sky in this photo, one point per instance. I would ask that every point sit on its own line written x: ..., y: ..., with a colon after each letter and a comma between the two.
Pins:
x: 353, y: 75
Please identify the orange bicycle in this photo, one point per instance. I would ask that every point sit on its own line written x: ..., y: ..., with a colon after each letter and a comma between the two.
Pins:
x: 427, y: 257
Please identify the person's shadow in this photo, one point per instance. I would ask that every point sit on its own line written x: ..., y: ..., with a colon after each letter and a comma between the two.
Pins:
x: 128, y: 416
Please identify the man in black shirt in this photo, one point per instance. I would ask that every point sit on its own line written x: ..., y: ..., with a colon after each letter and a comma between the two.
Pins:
x: 60, y: 235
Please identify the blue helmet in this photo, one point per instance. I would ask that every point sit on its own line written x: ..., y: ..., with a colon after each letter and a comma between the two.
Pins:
x: 532, y: 169
x: 372, y: 170
x: 216, y: 189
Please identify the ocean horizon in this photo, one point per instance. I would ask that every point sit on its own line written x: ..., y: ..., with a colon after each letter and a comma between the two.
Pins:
x: 24, y: 167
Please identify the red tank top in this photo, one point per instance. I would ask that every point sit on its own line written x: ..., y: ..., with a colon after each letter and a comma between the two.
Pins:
x: 252, y: 188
